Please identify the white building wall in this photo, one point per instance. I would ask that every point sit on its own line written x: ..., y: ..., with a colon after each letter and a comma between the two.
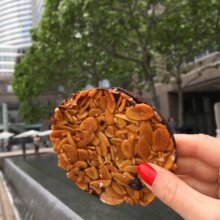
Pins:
x: 15, y: 22
x: 37, y: 11
x: 15, y: 25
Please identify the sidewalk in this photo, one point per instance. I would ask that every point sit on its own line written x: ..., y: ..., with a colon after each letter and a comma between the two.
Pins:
x: 6, y: 207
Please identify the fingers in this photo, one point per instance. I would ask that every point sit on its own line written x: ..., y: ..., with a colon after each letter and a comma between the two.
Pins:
x: 175, y: 193
x: 197, y: 169
x: 209, y: 189
x: 199, y: 146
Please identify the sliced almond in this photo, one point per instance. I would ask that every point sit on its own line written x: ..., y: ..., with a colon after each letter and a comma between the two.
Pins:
x: 104, y: 197
x: 146, y: 131
x: 82, y: 154
x: 130, y: 169
x: 103, y: 138
x: 127, y: 149
x: 111, y: 193
x: 103, y: 103
x: 139, y: 112
x: 95, y: 112
x: 104, y: 173
x: 122, y: 106
x: 63, y: 161
x: 118, y: 188
x: 85, y: 137
x: 100, y: 183
x: 58, y: 115
x: 143, y: 148
x: 161, y: 138
x: 90, y: 124
x: 121, y: 179
x: 81, y: 164
x: 92, y: 173
x: 70, y: 139
x: 82, y: 185
x: 110, y: 131
x: 92, y: 92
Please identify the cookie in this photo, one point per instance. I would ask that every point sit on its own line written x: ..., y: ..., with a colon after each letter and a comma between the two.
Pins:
x: 101, y: 135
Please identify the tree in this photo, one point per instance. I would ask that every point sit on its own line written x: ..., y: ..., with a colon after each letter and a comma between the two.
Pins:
x: 79, y: 42
x: 122, y: 30
x: 51, y: 64
x: 184, y: 34
x: 84, y: 41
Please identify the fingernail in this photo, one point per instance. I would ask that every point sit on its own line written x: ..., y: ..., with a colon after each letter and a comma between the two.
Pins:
x: 147, y: 173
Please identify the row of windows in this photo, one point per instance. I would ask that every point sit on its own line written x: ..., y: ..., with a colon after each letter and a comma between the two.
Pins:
x: 16, y: 25
x: 13, y: 11
x: 25, y: 42
x: 4, y: 58
x: 14, y: 7
x: 12, y: 2
x: 16, y: 21
x: 9, y: 50
x: 13, y: 33
x: 8, y: 72
x: 16, y: 37
x: 6, y: 66
x: 10, y: 30
x: 15, y: 17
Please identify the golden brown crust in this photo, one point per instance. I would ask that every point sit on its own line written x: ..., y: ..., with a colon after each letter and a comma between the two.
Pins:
x: 101, y: 135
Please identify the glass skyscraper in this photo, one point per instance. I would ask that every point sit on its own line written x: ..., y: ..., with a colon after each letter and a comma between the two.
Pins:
x: 37, y: 11
x: 15, y: 24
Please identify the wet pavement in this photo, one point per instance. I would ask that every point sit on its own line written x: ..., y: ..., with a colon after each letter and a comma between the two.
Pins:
x: 43, y: 168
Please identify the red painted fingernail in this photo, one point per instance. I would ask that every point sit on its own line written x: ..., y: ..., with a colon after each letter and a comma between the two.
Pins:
x: 147, y: 173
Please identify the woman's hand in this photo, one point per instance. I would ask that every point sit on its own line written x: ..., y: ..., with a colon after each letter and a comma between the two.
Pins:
x: 195, y: 193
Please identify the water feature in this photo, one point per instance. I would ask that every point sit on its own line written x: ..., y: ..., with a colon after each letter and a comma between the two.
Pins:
x: 44, y: 192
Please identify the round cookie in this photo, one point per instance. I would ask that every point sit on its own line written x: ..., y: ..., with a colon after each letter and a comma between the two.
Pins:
x: 101, y: 135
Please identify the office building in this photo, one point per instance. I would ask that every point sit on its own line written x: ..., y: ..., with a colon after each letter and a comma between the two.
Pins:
x: 15, y: 24
x: 201, y: 92
x: 37, y: 11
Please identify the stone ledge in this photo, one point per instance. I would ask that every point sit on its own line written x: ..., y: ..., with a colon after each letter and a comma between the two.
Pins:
x: 6, y: 207
x: 4, y: 155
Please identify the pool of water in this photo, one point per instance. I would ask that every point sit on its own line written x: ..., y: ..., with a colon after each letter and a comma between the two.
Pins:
x: 44, y: 170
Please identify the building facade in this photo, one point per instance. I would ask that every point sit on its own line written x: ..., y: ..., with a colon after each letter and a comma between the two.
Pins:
x: 15, y: 25
x: 37, y: 11
x: 201, y: 92
x: 17, y: 17
x: 15, y: 22
x: 8, y: 101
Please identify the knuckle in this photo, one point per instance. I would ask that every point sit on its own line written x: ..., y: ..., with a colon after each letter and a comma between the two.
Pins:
x: 202, y: 136
x: 169, y: 192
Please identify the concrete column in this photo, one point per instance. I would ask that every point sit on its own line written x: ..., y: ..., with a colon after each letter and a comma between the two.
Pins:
x: 5, y: 116
x: 217, y: 118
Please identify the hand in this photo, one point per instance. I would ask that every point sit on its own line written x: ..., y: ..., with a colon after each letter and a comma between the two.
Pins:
x: 195, y: 192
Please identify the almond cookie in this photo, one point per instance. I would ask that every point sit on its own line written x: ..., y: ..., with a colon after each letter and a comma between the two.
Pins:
x: 101, y: 135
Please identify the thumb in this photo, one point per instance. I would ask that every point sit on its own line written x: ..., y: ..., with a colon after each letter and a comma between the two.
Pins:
x: 171, y: 190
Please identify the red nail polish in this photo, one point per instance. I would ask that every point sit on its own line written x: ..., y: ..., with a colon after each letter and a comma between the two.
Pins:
x: 147, y: 173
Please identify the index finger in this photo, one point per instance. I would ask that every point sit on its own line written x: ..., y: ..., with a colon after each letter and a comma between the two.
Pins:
x: 200, y: 146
